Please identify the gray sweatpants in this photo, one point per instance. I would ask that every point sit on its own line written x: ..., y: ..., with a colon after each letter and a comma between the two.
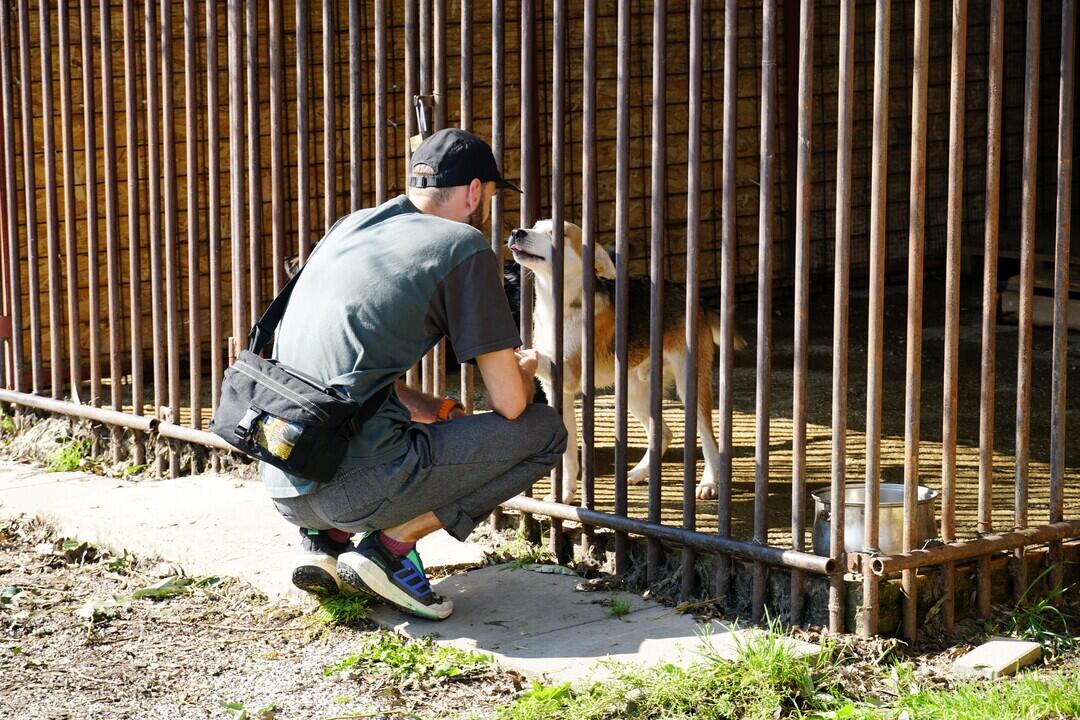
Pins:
x: 460, y: 470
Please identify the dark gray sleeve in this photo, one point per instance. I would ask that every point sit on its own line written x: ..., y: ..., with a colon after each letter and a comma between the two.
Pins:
x: 469, y: 307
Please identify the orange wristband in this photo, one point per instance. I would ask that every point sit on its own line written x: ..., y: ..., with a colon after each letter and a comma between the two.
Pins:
x: 445, y: 407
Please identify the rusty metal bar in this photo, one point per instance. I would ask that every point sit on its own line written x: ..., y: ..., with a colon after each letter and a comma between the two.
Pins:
x: 842, y: 270
x: 412, y: 80
x: 154, y: 190
x: 11, y: 204
x: 655, y: 556
x: 52, y: 236
x: 172, y: 259
x: 727, y: 295
x: 803, y: 208
x: 466, y: 64
x: 766, y: 235
x: 559, y: 400
x: 186, y: 434
x: 329, y: 51
x: 380, y: 106
x: 277, y: 144
x: 112, y: 217
x: 133, y: 200
x: 71, y: 247
x: 952, y: 298
x: 693, y: 300
x: 303, y: 162
x: 622, y: 272
x: 355, y: 105
x: 90, y: 170
x: 213, y: 192
x: 191, y: 140
x: 1028, y: 213
x: 255, y: 167
x: 698, y: 541
x: 89, y: 412
x: 913, y: 360
x: 529, y: 161
x: 30, y: 193
x: 439, y: 68
x: 588, y: 274
x: 236, y: 174
x: 989, y: 301
x: 498, y: 21
x: 982, y: 546
x: 1061, y: 282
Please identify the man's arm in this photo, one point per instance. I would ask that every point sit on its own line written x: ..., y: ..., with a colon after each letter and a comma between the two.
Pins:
x: 424, y: 408
x: 508, y: 377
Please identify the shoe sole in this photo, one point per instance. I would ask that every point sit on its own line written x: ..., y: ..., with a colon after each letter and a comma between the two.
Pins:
x: 315, y: 580
x: 370, y: 578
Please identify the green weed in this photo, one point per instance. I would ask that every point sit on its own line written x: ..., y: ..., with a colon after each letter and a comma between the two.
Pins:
x: 7, y: 424
x: 72, y: 455
x: 422, y: 659
x: 617, y: 607
x: 343, y: 610
x: 1042, y: 621
x: 520, y: 552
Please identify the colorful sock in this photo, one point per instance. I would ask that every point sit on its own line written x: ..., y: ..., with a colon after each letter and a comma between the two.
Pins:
x: 399, y: 548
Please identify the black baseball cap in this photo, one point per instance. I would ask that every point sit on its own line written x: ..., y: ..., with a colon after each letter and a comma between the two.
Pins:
x: 457, y: 157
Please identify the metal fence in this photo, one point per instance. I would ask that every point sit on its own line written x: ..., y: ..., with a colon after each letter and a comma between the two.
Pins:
x: 357, y: 119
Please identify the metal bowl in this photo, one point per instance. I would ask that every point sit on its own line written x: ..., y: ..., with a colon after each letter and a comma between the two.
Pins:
x: 890, y: 518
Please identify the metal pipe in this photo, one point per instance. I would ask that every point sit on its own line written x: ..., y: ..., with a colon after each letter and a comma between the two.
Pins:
x: 71, y: 247
x: 236, y: 173
x: 133, y: 203
x: 191, y: 111
x: 154, y: 228
x: 411, y: 79
x: 355, y: 100
x: 913, y: 361
x: 88, y: 412
x: 329, y: 51
x: 439, y: 69
x: 11, y: 204
x: 30, y: 190
x: 727, y: 294
x: 255, y: 166
x: 558, y: 139
x: 186, y: 434
x: 112, y: 216
x: 1028, y: 212
x: 529, y: 166
x: 172, y: 264
x: 466, y: 61
x: 1061, y: 281
x: 840, y: 311
x: 622, y: 272
x: 803, y: 208
x: 303, y: 170
x: 498, y: 21
x: 588, y: 274
x: 52, y: 236
x: 655, y: 556
x: 698, y: 541
x: 983, y: 546
x: 380, y: 106
x: 277, y: 144
x: 213, y: 177
x: 90, y: 170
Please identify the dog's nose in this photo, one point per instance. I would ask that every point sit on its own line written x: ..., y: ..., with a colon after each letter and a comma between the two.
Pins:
x: 517, y: 234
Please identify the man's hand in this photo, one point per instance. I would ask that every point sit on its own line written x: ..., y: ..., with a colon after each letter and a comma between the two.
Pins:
x: 425, y: 408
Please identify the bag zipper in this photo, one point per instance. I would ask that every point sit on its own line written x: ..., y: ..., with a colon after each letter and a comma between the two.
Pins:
x: 280, y: 389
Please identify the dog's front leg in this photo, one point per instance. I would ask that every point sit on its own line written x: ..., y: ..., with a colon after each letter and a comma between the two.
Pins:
x: 570, y: 463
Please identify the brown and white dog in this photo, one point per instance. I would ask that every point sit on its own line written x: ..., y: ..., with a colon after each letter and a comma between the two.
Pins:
x: 532, y: 248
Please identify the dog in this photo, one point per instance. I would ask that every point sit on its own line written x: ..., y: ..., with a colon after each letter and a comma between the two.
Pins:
x: 533, y: 249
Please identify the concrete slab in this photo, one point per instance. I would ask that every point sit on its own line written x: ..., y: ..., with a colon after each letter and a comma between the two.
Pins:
x: 996, y: 658
x: 209, y: 524
x: 539, y: 625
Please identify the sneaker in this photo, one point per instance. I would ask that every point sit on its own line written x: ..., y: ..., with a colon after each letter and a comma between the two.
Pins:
x: 400, y: 581
x: 315, y: 568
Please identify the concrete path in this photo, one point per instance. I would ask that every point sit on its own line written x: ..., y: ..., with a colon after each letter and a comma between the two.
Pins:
x: 535, y: 623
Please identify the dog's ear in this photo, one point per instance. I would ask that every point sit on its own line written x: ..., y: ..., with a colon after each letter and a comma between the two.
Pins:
x: 602, y: 265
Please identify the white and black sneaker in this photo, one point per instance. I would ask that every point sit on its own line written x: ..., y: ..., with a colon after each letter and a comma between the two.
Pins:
x: 399, y: 580
x: 315, y: 568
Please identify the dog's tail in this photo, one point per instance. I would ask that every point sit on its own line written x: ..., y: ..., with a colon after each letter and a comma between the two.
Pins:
x: 713, y: 318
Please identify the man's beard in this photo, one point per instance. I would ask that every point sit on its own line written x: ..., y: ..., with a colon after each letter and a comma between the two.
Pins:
x: 476, y: 217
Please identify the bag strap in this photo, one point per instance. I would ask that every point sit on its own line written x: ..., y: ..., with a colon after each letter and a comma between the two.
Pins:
x: 263, y: 331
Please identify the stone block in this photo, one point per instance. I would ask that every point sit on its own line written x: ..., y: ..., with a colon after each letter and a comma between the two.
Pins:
x: 998, y: 657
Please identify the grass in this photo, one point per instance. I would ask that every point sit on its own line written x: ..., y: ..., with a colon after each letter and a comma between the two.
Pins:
x: 1042, y: 620
x: 617, y: 607
x: 343, y: 610
x: 7, y: 424
x: 520, y: 552
x: 71, y: 455
x: 403, y: 659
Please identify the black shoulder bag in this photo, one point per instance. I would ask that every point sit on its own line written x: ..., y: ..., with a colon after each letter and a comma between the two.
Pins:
x: 283, y: 417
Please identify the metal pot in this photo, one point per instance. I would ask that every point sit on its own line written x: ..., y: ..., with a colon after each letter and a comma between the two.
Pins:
x: 890, y: 514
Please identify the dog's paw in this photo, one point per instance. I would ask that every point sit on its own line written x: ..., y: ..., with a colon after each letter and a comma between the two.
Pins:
x: 706, y: 490
x: 638, y: 475
x: 569, y: 493
x: 543, y: 367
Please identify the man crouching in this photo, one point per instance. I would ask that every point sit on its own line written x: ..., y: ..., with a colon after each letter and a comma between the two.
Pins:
x: 380, y: 290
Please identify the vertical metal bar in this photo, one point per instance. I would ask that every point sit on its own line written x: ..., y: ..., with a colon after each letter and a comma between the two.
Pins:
x: 411, y: 78
x: 172, y: 259
x: 355, y: 70
x: 30, y: 194
x: 1061, y: 281
x: 913, y: 361
x: 989, y: 301
x: 255, y: 170
x: 693, y: 226
x: 133, y: 201
x: 1028, y: 212
x: 329, y: 51
x: 842, y: 262
x: 875, y: 329
x: 803, y: 207
x: 622, y: 269
x: 439, y: 63
x: 764, y: 305
x: 52, y: 236
x: 529, y: 161
x: 90, y: 169
x: 425, y: 47
x: 236, y: 171
x: 303, y: 182
x: 11, y: 204
x: 466, y: 64
x: 952, y: 298
x: 112, y: 218
x: 191, y: 111
x: 558, y: 140
x: 588, y: 274
x: 154, y: 190
x: 277, y: 144
x: 655, y: 557
x: 213, y: 192
x: 380, y: 106
x: 498, y: 21
x: 71, y: 247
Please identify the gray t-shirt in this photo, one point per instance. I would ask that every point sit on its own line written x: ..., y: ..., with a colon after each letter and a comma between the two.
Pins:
x: 379, y: 291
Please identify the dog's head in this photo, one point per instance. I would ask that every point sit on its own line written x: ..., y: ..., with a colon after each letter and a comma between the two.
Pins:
x: 534, y: 248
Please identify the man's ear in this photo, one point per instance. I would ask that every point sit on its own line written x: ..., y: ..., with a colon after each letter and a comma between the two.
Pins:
x: 476, y: 193
x: 602, y: 265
